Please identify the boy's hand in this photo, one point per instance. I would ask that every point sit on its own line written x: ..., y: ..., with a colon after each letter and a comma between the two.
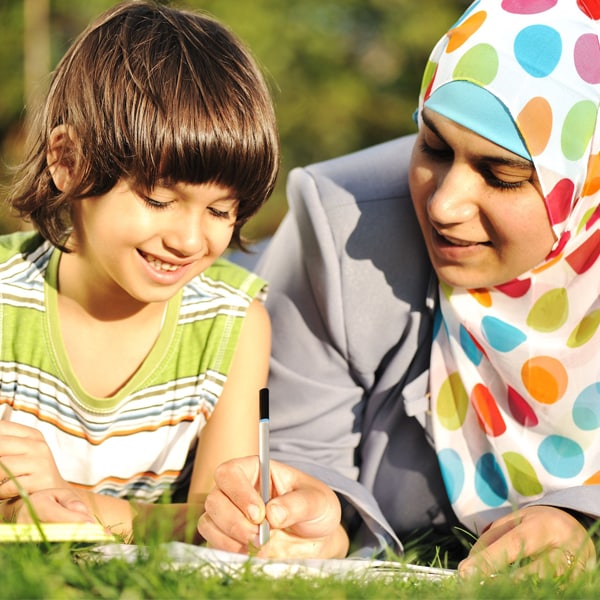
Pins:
x: 51, y: 506
x: 304, y: 514
x: 25, y: 454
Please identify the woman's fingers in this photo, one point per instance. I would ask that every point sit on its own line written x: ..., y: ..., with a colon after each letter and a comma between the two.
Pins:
x: 539, y: 540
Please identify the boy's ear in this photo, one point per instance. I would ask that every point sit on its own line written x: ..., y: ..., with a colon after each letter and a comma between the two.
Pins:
x: 61, y: 156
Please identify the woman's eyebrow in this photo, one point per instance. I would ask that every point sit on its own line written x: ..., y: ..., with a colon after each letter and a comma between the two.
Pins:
x: 513, y: 161
x: 429, y: 123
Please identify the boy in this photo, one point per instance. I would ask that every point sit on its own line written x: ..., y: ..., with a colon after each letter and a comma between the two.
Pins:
x: 131, y: 354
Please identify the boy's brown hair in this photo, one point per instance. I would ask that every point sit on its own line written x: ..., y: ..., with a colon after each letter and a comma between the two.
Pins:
x: 152, y: 94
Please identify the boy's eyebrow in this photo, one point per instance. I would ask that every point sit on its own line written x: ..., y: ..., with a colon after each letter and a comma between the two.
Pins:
x: 512, y: 161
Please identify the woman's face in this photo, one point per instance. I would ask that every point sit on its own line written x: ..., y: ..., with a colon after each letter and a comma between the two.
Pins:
x: 479, y: 206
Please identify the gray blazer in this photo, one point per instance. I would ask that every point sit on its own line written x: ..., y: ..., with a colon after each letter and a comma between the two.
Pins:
x: 351, y: 295
x: 349, y: 283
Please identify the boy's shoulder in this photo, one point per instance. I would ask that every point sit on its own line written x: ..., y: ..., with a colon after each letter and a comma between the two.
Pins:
x: 224, y: 277
x: 19, y: 243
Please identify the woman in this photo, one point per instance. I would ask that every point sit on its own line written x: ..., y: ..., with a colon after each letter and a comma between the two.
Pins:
x: 503, y: 178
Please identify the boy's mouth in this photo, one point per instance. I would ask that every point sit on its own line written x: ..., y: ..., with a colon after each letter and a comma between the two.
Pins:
x: 159, y: 264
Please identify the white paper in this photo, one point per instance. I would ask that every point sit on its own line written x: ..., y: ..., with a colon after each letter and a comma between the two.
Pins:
x: 218, y: 562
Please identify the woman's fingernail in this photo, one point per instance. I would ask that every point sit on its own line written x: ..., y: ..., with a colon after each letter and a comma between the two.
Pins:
x: 277, y: 514
x: 254, y: 513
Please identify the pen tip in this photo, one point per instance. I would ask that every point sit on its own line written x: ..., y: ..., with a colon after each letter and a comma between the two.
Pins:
x: 264, y: 403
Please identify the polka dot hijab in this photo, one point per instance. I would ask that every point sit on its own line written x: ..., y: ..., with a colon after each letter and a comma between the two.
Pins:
x: 515, y: 369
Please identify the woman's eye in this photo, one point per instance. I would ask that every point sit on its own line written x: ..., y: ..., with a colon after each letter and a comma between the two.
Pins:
x: 442, y: 153
x: 493, y: 181
x: 504, y: 181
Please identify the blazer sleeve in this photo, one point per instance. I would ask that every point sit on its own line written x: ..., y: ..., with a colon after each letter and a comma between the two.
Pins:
x: 348, y: 280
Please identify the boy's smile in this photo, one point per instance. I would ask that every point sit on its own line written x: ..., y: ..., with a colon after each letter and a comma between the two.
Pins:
x: 147, y: 248
x: 159, y: 264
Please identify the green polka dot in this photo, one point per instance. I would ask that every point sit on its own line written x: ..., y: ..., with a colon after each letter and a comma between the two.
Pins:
x: 586, y: 217
x: 428, y: 74
x: 479, y: 65
x: 586, y: 329
x: 550, y: 311
x: 521, y: 474
x: 577, y: 129
x: 452, y: 403
x: 446, y: 289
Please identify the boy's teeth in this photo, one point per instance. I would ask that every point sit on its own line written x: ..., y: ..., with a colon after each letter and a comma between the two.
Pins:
x: 159, y: 264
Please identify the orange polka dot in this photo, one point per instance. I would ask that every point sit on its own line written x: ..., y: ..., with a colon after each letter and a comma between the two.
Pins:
x: 548, y: 264
x: 482, y: 296
x: 460, y: 34
x: 535, y: 123
x: 487, y: 410
x: 545, y: 379
x: 592, y: 179
x: 593, y: 480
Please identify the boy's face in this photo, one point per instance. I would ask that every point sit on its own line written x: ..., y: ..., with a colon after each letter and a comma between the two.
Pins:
x: 151, y: 246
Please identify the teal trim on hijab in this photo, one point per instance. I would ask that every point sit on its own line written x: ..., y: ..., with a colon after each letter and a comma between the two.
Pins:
x: 475, y: 108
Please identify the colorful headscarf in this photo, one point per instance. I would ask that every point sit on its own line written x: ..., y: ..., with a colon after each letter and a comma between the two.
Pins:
x: 515, y: 369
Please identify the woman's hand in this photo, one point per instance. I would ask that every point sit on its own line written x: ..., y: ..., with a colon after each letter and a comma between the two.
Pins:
x: 27, y: 457
x: 546, y: 541
x: 303, y: 514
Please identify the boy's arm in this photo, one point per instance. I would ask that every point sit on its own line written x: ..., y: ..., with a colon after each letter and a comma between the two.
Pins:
x: 232, y: 429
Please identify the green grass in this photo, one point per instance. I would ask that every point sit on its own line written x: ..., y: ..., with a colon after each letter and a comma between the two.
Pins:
x: 50, y: 571
x: 65, y: 571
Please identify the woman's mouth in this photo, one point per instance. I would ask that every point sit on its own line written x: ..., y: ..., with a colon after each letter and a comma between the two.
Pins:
x: 445, y: 239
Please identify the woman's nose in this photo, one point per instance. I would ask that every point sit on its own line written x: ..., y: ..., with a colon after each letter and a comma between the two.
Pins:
x: 455, y: 197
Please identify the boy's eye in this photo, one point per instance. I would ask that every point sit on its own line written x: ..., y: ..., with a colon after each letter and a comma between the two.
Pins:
x: 157, y: 204
x: 221, y: 214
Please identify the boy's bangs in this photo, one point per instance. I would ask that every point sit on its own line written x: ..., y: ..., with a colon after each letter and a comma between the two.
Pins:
x: 206, y: 150
x: 200, y: 135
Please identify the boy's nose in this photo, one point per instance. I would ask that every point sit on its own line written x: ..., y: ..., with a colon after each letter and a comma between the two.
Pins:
x: 185, y: 236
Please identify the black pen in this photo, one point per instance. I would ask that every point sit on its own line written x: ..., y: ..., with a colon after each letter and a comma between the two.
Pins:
x: 263, y: 459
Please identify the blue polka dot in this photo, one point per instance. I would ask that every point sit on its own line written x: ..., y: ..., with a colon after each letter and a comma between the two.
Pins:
x: 501, y: 336
x: 437, y: 321
x: 538, y: 49
x: 469, y: 347
x: 561, y: 456
x: 586, y: 410
x: 453, y: 472
x: 466, y: 14
x: 490, y: 482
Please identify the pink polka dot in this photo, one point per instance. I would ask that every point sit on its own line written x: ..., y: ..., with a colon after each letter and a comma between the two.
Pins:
x: 587, y: 58
x: 590, y: 7
x: 558, y: 201
x: 520, y: 409
x: 527, y: 7
x: 586, y: 255
x: 515, y: 288
x: 562, y: 242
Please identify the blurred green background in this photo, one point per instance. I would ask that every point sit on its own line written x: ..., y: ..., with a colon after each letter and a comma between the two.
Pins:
x: 344, y: 74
